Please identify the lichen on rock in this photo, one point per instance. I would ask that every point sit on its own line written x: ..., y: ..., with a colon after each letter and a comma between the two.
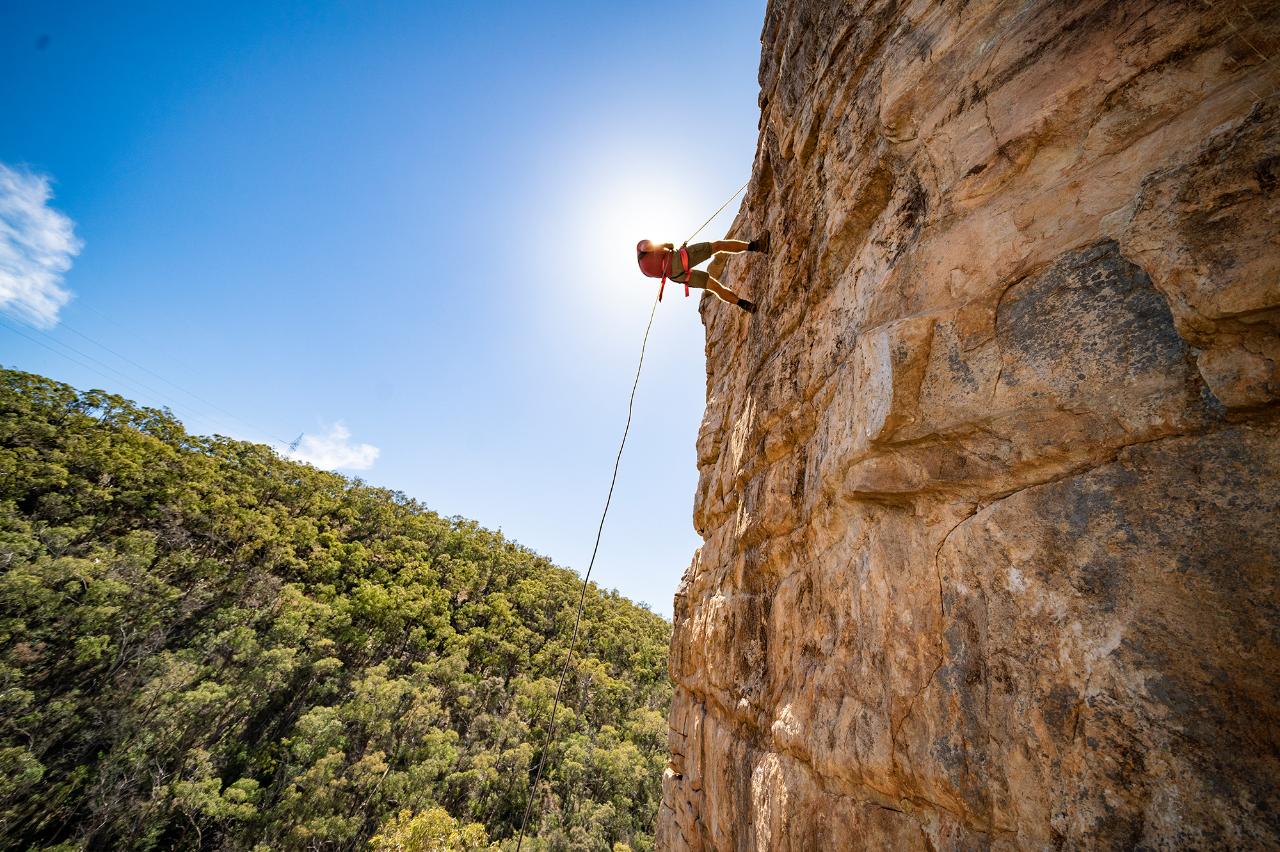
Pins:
x: 989, y: 487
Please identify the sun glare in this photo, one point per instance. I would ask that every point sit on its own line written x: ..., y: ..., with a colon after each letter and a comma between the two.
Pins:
x: 617, y: 191
x: 631, y: 211
x: 610, y: 216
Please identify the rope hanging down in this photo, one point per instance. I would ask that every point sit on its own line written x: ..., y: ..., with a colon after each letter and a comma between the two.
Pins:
x: 577, y: 620
x: 582, y: 596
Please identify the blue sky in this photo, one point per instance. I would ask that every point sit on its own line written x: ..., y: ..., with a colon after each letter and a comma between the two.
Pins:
x: 403, y: 229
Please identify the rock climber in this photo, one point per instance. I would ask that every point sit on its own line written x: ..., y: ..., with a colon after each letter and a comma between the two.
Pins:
x: 664, y: 260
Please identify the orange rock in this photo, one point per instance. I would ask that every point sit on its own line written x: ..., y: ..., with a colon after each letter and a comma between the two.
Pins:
x: 989, y: 487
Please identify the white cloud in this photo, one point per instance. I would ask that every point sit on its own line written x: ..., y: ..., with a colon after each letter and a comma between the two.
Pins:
x: 37, y: 244
x: 334, y: 450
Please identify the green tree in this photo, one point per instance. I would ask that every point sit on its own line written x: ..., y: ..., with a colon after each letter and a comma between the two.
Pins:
x: 204, y: 645
x: 433, y: 830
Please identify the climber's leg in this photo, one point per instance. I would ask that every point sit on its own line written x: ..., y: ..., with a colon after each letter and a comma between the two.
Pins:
x: 698, y: 252
x: 725, y: 294
x: 760, y: 244
x: 700, y: 280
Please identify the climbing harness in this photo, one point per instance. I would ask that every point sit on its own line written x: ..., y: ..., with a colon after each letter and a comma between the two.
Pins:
x: 666, y: 268
x: 613, y: 481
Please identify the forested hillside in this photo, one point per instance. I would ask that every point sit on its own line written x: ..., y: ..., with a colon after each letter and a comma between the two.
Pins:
x: 205, y: 646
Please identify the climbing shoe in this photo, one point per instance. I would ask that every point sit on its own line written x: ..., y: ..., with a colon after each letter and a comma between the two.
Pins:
x: 749, y: 307
x: 760, y: 243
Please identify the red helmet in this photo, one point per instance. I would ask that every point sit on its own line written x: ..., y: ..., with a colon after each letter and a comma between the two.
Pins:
x: 643, y: 246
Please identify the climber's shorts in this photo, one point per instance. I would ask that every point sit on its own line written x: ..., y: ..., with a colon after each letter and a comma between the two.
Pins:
x: 697, y: 279
x: 698, y: 252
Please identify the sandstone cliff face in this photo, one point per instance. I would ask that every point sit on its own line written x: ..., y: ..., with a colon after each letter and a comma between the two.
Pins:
x: 990, y: 486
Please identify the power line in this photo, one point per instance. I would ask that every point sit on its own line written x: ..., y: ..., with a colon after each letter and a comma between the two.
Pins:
x: 44, y: 345
x: 102, y: 369
x: 192, y: 394
x: 120, y: 376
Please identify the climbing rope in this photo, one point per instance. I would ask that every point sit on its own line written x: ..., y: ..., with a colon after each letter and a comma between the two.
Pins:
x: 717, y: 213
x: 582, y: 595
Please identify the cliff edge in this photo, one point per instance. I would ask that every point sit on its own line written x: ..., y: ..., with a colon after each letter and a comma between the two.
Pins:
x: 989, y: 487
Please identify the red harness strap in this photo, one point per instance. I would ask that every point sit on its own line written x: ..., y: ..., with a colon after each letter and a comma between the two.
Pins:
x: 666, y: 271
